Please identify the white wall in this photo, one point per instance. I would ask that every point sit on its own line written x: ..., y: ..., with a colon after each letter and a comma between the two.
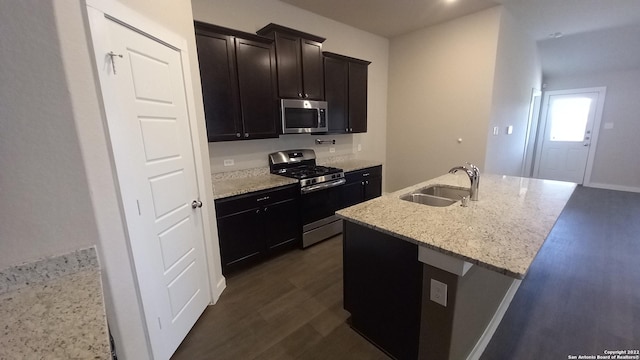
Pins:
x: 251, y: 15
x: 616, y: 163
x: 440, y: 85
x: 517, y: 72
x: 44, y: 195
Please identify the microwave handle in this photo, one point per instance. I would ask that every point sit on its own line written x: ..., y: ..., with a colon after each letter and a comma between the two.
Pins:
x: 319, y: 117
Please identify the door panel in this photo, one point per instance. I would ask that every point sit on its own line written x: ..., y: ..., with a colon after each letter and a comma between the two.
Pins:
x: 153, y: 152
x: 567, y: 135
x: 289, y: 69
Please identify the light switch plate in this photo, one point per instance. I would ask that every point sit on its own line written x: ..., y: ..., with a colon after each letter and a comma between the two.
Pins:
x: 438, y: 292
x: 359, y: 147
x: 228, y: 162
x: 608, y: 126
x: 496, y: 130
x: 510, y: 130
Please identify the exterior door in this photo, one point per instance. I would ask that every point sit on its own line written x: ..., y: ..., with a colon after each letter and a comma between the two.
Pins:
x: 145, y: 101
x: 568, y: 119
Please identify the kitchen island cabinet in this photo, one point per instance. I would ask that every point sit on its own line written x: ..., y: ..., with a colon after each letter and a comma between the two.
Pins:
x: 299, y: 62
x: 238, y: 75
x: 441, y: 276
x: 257, y: 225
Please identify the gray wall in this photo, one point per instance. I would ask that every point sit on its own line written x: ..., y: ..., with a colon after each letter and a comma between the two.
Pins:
x: 517, y: 73
x: 45, y: 208
x: 616, y: 163
x: 440, y: 89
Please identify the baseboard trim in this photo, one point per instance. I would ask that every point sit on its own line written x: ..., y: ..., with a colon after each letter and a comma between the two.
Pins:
x: 482, y: 343
x: 220, y: 286
x: 613, y: 187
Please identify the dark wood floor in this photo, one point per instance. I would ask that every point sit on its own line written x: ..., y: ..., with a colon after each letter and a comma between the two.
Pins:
x: 580, y: 297
x: 582, y: 292
x: 287, y: 308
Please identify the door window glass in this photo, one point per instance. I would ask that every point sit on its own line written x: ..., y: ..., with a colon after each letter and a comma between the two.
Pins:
x: 569, y: 118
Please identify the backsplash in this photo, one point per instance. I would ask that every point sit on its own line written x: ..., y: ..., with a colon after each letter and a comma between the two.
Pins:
x: 253, y: 154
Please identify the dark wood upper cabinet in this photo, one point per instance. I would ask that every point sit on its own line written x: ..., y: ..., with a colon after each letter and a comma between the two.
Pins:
x: 345, y: 81
x: 299, y: 62
x: 239, y: 83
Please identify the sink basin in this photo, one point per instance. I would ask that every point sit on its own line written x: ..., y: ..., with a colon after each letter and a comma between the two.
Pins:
x: 445, y: 191
x: 436, y: 195
x: 427, y: 199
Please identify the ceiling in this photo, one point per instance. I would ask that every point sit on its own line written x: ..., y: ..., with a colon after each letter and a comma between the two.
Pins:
x: 390, y: 18
x: 597, y: 35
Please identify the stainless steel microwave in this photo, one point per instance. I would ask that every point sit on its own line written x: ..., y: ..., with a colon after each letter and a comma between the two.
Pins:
x: 303, y: 116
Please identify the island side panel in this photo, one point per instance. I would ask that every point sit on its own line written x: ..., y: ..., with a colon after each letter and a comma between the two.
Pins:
x: 437, y: 320
x: 480, y: 293
x: 383, y: 289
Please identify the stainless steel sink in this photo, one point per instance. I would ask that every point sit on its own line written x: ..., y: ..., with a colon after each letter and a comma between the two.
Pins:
x: 445, y: 191
x: 436, y: 195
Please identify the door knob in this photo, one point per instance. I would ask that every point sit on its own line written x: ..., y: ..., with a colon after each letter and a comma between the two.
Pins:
x: 196, y: 204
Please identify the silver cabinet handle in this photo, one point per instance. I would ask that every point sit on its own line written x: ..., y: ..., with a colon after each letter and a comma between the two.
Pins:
x: 300, y: 95
x: 263, y: 198
x: 238, y: 135
x: 196, y: 204
x: 246, y: 135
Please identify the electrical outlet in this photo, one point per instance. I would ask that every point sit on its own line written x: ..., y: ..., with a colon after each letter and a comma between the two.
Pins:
x: 359, y: 147
x: 496, y: 130
x: 332, y: 149
x: 608, y: 126
x: 228, y: 162
x: 438, y: 292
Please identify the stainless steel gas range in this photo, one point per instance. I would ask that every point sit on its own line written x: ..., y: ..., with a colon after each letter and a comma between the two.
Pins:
x: 320, y: 192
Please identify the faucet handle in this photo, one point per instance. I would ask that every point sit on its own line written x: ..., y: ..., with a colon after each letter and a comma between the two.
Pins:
x: 474, y: 168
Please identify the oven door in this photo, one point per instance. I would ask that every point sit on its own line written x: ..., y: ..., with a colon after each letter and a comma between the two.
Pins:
x: 320, y: 204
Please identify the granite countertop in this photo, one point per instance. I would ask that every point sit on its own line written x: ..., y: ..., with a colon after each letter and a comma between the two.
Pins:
x: 53, y: 309
x: 237, y: 186
x: 503, y: 231
x: 250, y: 180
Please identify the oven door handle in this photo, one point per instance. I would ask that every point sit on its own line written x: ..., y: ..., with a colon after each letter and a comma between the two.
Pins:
x: 325, y: 185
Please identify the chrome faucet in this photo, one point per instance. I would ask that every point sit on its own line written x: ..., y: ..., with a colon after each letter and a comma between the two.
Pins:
x: 473, y: 173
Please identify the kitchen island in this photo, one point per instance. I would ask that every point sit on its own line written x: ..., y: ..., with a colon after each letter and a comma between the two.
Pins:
x: 433, y: 282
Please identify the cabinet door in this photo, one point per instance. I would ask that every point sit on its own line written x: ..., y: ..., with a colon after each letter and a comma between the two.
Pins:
x: 352, y: 193
x: 357, y: 97
x: 336, y: 75
x: 240, y: 243
x: 312, y: 70
x: 282, y: 224
x: 372, y: 188
x: 289, y: 66
x: 216, y: 55
x: 256, y: 81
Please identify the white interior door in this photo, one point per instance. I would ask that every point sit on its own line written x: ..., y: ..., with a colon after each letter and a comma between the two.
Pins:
x: 568, y: 119
x: 144, y: 91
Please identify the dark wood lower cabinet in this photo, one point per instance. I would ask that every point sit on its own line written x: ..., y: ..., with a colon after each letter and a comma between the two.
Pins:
x: 362, y: 185
x: 383, y: 289
x: 254, y: 226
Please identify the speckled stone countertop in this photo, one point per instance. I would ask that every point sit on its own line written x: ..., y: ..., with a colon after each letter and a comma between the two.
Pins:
x: 503, y: 231
x: 53, y: 309
x: 245, y: 181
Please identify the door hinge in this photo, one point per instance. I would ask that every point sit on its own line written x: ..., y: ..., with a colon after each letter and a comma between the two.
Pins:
x: 159, y: 323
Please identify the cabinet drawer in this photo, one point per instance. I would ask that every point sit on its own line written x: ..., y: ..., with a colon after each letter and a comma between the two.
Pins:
x: 359, y: 175
x: 256, y: 199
